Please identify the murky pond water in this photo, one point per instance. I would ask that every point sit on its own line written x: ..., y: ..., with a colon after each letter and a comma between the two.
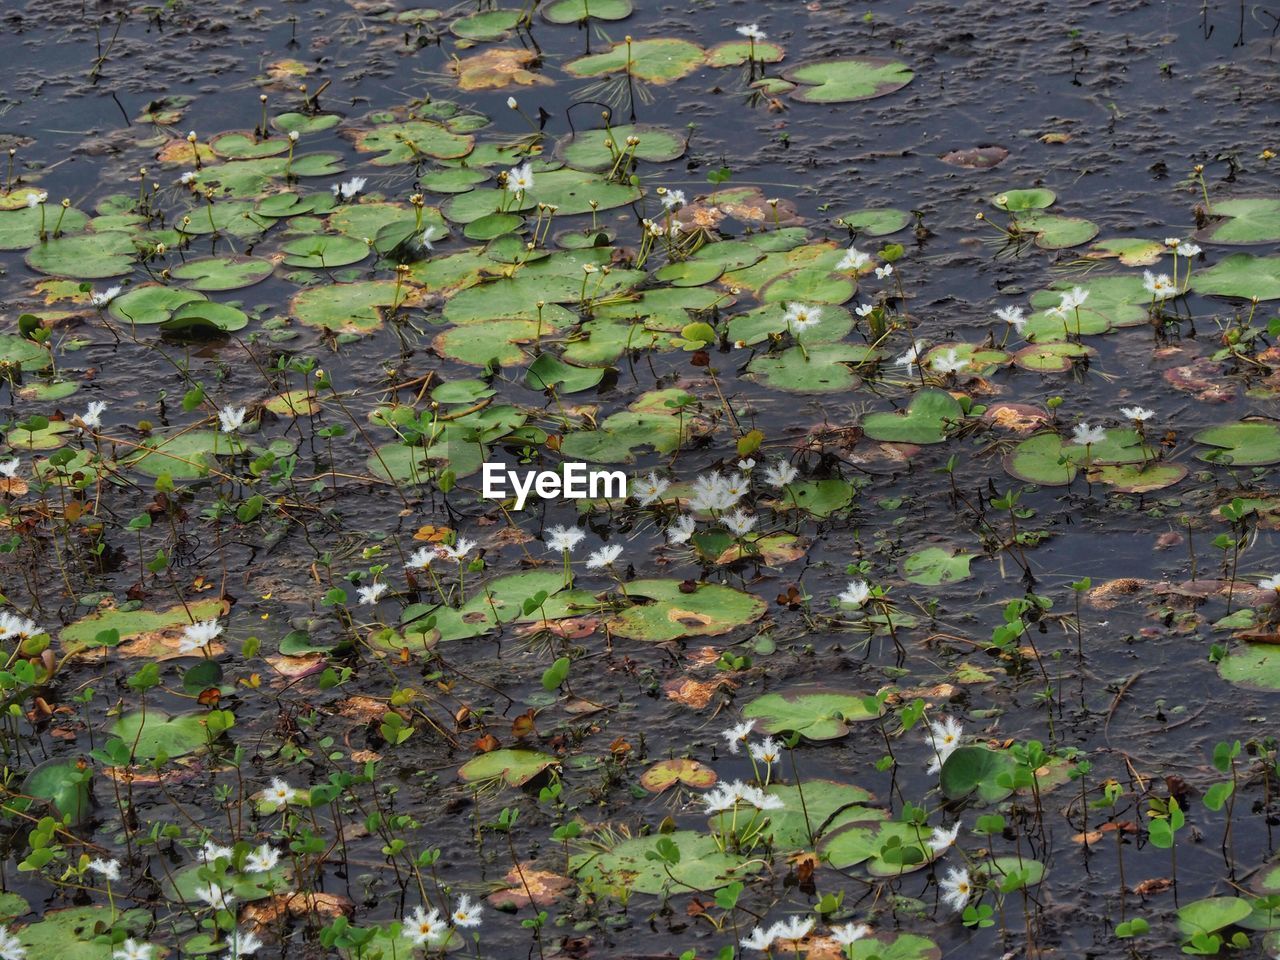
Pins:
x: 935, y: 340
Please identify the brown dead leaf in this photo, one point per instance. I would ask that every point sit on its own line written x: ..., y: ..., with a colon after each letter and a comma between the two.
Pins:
x: 696, y: 693
x: 529, y: 885
x: 362, y: 709
x: 1152, y: 886
x: 268, y: 913
x: 497, y: 69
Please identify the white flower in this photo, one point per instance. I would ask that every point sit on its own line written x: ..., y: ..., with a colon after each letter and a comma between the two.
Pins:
x: 132, y: 950
x: 431, y: 233
x: 102, y: 299
x: 942, y: 839
x: 348, y: 188
x: 187, y: 177
x: 466, y: 914
x: 92, y: 417
x: 13, y: 625
x: 563, y: 538
x: 856, y: 593
x: 456, y: 551
x: 850, y: 933
x: 1084, y: 434
x: 956, y: 888
x: 792, y: 928
x: 864, y: 310
x: 759, y: 939
x: 746, y: 465
x: 1188, y: 249
x: 761, y: 800
x: 423, y: 928
x: 1160, y: 287
x: 780, y: 474
x: 885, y: 271
x: 215, y: 896
x: 737, y: 734
x: 944, y: 737
x: 199, y: 634
x: 649, y: 489
x: 1012, y: 316
x: 369, y: 594
x: 853, y: 259
x: 11, y: 947
x: 912, y: 356
x: 681, y: 530
x: 211, y: 851
x: 801, y: 316
x: 948, y: 361
x: 720, y: 799
x: 293, y: 136
x: 604, y: 557
x: 1270, y: 583
x: 243, y: 943
x: 673, y: 199
x: 421, y: 558
x: 752, y: 32
x: 711, y: 491
x: 262, y: 860
x: 230, y: 418
x: 107, y: 869
x: 512, y: 103
x: 9, y: 468
x: 1140, y: 414
x: 767, y: 751
x: 520, y: 179
x: 1073, y: 299
x: 1172, y: 241
x: 739, y: 522
x: 280, y: 793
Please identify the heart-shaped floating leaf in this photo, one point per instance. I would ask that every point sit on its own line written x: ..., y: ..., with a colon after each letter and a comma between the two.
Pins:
x: 130, y: 625
x: 1131, y: 251
x: 183, y: 455
x: 875, y: 221
x: 1212, y: 914
x: 1052, y: 357
x: 1255, y: 665
x: 659, y: 60
x: 1057, y: 233
x: 976, y: 769
x: 512, y: 767
x: 64, y: 784
x: 809, y: 812
x: 20, y: 229
x: 820, y: 368
x: 1013, y: 873
x: 588, y: 149
x: 1035, y: 198
x: 815, y: 712
x: 927, y: 419
x: 1249, y: 443
x: 223, y: 273
x: 733, y: 53
x: 500, y: 601
x: 93, y: 256
x: 486, y: 24
x: 1137, y: 477
x: 846, y: 80
x: 153, y: 733
x: 933, y: 566
x: 347, y: 307
x: 1240, y: 275
x: 1246, y: 220
x: 411, y: 141
x: 576, y: 11
x: 662, y: 611
x: 885, y: 946
x: 637, y: 865
x: 818, y: 498
x: 73, y: 933
x: 665, y: 774
x: 887, y: 848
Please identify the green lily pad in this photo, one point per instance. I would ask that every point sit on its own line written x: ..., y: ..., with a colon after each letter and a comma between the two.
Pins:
x: 511, y: 767
x: 64, y: 784
x: 18, y: 351
x: 1212, y: 914
x: 324, y: 252
x: 927, y: 419
x: 818, y: 498
x: 549, y: 371
x: 660, y: 60
x: 1137, y: 477
x: 90, y: 256
x: 20, y: 229
x: 875, y: 221
x: 205, y: 316
x: 576, y: 11
x: 498, y: 602
x: 241, y: 145
x: 1255, y: 665
x: 497, y: 341
x: 182, y: 885
x: 934, y: 566
x: 415, y: 140
x: 887, y: 848
x: 132, y: 624
x: 820, y: 368
x: 1246, y: 220
x: 1016, y: 201
x: 486, y: 24
x: 1052, y: 357
x: 817, y: 713
x: 622, y: 436
x: 734, y: 53
x: 671, y: 614
x: 587, y: 150
x: 1117, y: 301
x: 1002, y: 870
x: 183, y: 456
x: 1131, y: 251
x: 1249, y: 443
x: 975, y: 770
x: 1057, y: 233
x: 847, y: 80
x: 156, y: 733
x: 627, y: 866
x: 1239, y: 275
x: 809, y: 812
x: 73, y: 933
x: 223, y: 273
x: 1042, y: 459
x: 572, y: 191
x: 665, y: 774
x: 904, y: 946
x: 150, y: 303
x: 346, y: 307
